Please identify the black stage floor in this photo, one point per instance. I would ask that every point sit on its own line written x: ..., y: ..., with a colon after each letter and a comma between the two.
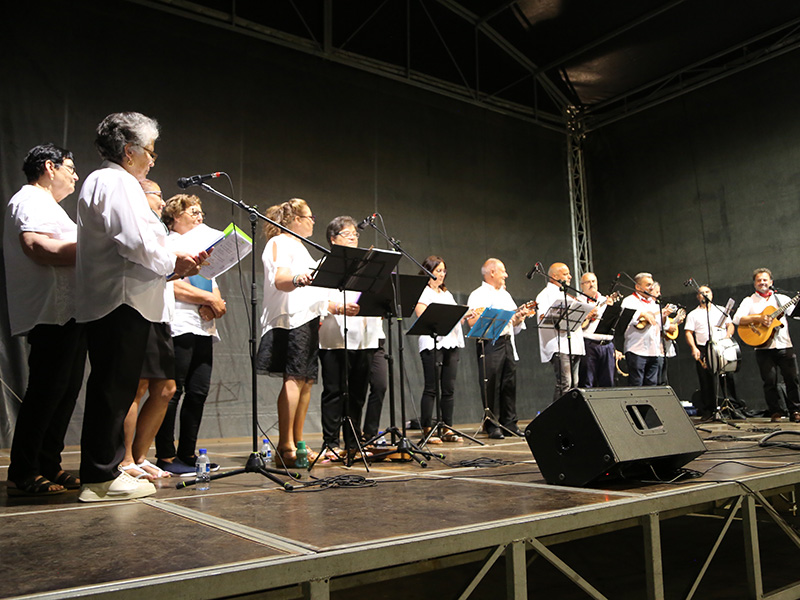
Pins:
x: 441, y: 531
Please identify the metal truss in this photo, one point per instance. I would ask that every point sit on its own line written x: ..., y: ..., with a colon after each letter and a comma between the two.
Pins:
x: 321, y: 44
x: 578, y: 204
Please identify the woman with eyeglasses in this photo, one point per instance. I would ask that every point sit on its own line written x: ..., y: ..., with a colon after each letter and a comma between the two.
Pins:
x: 290, y: 322
x: 198, y: 303
x: 363, y: 336
x: 122, y: 267
x: 436, y: 293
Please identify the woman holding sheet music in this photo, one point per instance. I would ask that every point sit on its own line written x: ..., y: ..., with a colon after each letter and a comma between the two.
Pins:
x: 448, y: 347
x: 198, y: 303
x: 290, y: 321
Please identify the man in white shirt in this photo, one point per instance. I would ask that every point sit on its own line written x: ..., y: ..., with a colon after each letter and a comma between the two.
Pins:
x: 777, y: 353
x: 562, y: 349
x: 644, y: 351
x: 700, y: 340
x: 598, y: 365
x: 39, y: 244
x: 500, y: 377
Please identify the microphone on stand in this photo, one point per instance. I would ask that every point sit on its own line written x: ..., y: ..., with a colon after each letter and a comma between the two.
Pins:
x: 689, y: 282
x: 616, y: 281
x: 367, y: 221
x: 184, y: 182
x: 536, y: 268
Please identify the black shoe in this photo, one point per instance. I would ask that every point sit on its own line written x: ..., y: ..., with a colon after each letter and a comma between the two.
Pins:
x: 496, y: 434
x: 513, y: 429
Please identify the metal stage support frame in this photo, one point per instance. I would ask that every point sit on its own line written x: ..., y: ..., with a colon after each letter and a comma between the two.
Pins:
x: 305, y: 572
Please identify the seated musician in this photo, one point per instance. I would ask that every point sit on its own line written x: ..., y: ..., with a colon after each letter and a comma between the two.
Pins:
x: 697, y: 336
x: 774, y: 349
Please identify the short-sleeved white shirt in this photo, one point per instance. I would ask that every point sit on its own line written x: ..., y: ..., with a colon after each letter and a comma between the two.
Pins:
x: 454, y: 339
x: 37, y: 294
x: 289, y: 310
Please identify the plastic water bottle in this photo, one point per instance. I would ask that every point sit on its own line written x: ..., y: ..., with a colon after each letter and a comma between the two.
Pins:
x: 302, y: 456
x: 266, y: 451
x: 202, y: 469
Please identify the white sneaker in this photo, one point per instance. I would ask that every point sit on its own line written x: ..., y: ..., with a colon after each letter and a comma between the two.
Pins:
x: 123, y: 487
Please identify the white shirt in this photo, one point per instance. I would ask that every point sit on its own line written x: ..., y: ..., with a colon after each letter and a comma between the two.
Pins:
x: 122, y: 248
x: 551, y: 342
x: 363, y: 333
x: 755, y: 305
x: 645, y: 341
x: 37, y: 294
x: 697, y: 322
x: 289, y: 310
x: 454, y: 339
x: 487, y: 296
x: 185, y: 316
x: 589, y: 332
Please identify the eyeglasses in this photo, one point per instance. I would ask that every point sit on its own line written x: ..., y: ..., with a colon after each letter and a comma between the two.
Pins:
x: 312, y: 217
x: 353, y: 235
x: 154, y: 192
x: 195, y: 212
x: 70, y: 168
x: 151, y: 153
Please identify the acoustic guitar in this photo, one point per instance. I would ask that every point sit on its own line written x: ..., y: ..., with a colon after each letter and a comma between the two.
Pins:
x: 525, y: 310
x: 677, y: 320
x: 756, y: 334
x: 610, y: 299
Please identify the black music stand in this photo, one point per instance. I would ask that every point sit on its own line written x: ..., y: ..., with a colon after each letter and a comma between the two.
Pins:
x: 439, y: 320
x: 357, y: 270
x: 566, y: 318
x: 488, y: 327
x: 396, y: 300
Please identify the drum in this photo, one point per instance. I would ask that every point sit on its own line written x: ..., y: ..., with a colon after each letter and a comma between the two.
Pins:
x: 724, y: 356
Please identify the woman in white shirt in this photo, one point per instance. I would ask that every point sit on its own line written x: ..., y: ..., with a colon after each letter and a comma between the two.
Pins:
x: 448, y: 346
x: 290, y: 322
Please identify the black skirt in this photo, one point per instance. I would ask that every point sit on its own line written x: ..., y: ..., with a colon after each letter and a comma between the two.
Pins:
x: 290, y: 353
x: 159, y: 357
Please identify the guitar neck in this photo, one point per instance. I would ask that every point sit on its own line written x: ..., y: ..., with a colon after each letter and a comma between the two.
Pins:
x: 778, y: 314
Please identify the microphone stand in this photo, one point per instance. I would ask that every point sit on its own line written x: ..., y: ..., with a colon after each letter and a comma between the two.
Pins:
x: 404, y: 445
x: 255, y: 462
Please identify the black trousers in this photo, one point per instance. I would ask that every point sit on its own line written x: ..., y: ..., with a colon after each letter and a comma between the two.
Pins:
x: 449, y: 359
x: 378, y: 384
x: 333, y: 406
x: 770, y: 361
x: 597, y: 367
x: 501, y: 379
x: 194, y: 360
x: 116, y: 351
x: 708, y: 402
x: 55, y: 374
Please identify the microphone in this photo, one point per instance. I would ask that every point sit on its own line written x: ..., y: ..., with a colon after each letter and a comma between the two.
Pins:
x: 689, y: 282
x: 536, y: 268
x: 367, y: 221
x: 185, y: 182
x: 616, y: 281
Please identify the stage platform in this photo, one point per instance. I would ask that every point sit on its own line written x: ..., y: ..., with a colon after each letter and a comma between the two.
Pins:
x: 445, y: 531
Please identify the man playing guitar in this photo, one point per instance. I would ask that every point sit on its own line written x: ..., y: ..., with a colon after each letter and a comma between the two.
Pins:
x: 597, y: 367
x: 776, y: 353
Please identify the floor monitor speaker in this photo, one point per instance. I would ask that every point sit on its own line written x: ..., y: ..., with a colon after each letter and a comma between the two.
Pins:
x: 590, y: 435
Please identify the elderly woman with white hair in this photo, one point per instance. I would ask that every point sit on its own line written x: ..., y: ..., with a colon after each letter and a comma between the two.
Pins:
x: 122, y: 268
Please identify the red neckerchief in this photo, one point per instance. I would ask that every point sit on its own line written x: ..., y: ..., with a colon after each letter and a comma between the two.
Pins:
x: 767, y: 295
x: 647, y: 299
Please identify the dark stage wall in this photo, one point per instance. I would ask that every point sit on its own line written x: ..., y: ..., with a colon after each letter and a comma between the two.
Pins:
x: 448, y: 178
x: 706, y: 186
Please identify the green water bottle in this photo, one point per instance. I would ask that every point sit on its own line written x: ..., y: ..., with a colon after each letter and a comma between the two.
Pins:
x: 302, y: 456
